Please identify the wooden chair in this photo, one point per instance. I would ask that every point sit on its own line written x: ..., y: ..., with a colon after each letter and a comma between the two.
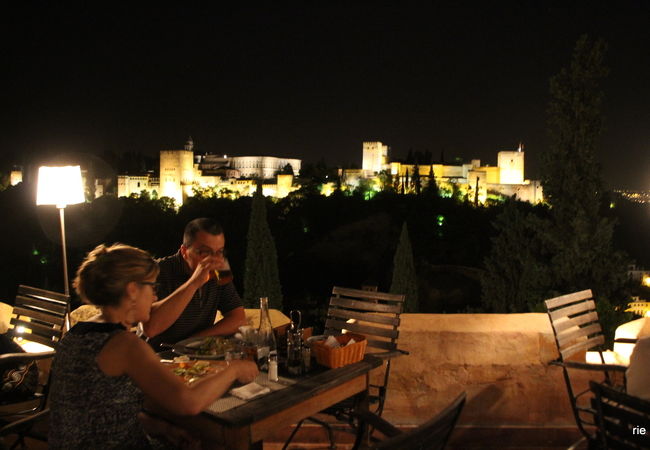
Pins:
x: 576, y: 328
x: 38, y: 316
x: 376, y: 315
x: 623, y: 421
x: 433, y: 434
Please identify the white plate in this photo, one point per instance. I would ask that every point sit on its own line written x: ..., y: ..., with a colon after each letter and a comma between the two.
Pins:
x: 190, y: 347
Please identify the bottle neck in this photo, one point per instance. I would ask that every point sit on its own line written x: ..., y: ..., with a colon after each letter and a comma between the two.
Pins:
x: 265, y: 318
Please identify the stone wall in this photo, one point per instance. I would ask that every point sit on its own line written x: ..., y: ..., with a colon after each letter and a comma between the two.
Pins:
x: 500, y: 360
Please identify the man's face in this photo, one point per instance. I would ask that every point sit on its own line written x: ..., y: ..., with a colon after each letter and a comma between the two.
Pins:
x: 205, y: 244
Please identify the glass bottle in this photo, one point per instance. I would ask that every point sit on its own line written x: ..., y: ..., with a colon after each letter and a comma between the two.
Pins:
x: 294, y: 344
x: 267, y: 345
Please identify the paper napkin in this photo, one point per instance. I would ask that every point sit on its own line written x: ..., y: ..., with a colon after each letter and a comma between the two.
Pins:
x: 249, y: 391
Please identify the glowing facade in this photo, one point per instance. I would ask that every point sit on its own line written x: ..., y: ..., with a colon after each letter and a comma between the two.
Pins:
x: 511, y: 167
x: 181, y: 173
x: 472, y: 179
x: 375, y: 157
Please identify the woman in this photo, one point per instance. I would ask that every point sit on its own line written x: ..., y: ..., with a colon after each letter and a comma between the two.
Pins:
x: 101, y: 371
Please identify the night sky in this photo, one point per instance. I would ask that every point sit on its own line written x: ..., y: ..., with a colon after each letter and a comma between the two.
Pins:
x: 305, y: 81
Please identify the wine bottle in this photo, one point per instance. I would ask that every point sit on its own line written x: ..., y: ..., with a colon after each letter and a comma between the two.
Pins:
x: 267, y: 345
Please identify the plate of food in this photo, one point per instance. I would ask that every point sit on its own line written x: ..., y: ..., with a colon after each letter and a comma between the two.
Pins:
x: 191, y: 371
x: 211, y: 347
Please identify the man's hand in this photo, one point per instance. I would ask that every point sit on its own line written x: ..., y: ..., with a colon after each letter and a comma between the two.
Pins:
x: 202, y: 272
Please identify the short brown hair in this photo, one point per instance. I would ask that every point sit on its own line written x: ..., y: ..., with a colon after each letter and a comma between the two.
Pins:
x: 102, y: 277
x: 201, y: 224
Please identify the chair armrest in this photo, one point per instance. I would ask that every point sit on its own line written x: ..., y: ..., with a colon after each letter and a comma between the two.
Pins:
x: 24, y: 357
x: 390, y: 354
x: 15, y: 425
x: 588, y: 366
x: 377, y: 422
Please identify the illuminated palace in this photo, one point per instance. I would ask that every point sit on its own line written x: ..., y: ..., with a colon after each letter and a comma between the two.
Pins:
x: 182, y: 173
x: 472, y: 179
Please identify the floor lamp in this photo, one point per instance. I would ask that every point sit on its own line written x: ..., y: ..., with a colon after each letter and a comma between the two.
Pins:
x: 60, y: 186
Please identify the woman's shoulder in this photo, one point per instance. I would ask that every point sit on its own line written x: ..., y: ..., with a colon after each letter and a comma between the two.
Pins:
x: 121, y: 350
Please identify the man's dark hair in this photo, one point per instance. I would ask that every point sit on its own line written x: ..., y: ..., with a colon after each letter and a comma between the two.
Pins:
x: 201, y: 224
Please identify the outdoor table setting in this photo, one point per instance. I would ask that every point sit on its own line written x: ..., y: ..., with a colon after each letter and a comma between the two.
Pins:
x: 290, y: 388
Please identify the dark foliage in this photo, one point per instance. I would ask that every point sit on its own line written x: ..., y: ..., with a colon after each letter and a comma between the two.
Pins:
x: 261, y: 276
x: 538, y: 256
x: 405, y: 279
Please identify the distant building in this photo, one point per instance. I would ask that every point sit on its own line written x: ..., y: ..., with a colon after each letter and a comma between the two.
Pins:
x: 16, y: 176
x: 181, y: 172
x: 375, y: 157
x: 506, y: 179
x: 135, y: 184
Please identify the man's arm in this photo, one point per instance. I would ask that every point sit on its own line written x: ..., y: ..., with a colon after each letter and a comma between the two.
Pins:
x: 165, y: 312
x: 230, y: 324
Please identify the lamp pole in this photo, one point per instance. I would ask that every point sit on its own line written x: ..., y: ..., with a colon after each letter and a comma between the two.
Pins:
x: 66, y: 286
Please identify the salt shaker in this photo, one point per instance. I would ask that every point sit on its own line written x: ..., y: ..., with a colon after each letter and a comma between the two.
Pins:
x: 273, y: 367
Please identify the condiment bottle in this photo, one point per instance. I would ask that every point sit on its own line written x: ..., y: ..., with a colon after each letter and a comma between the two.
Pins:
x: 294, y: 344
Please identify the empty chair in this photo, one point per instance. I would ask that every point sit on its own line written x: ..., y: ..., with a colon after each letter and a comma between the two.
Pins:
x: 623, y: 421
x: 38, y: 317
x: 433, y: 434
x: 576, y: 328
x: 375, y: 315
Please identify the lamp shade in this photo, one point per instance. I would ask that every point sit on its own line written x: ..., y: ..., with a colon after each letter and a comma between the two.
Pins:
x: 59, y: 186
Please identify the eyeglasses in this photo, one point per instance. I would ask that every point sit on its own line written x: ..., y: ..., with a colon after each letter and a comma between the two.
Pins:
x: 153, y: 285
x: 203, y: 252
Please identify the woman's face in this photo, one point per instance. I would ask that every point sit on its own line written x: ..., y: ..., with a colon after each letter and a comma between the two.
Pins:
x: 145, y: 296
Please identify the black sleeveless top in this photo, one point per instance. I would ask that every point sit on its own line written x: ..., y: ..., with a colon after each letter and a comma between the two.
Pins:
x: 89, y: 409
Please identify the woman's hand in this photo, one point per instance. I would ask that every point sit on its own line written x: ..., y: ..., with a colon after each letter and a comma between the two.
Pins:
x: 245, y: 371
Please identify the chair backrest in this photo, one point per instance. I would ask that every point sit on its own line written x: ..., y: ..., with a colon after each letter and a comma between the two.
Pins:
x: 433, y: 434
x: 43, y: 312
x: 575, y: 323
x: 623, y: 421
x: 376, y: 315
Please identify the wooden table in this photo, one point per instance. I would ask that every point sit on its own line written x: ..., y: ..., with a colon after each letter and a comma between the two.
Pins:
x: 246, y: 426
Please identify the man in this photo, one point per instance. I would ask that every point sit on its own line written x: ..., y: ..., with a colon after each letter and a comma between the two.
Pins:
x: 190, y: 296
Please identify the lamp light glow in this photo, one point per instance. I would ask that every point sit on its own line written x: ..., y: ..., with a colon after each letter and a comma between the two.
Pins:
x: 59, y: 186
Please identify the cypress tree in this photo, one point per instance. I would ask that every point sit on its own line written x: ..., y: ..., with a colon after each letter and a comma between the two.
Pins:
x: 516, y: 277
x: 261, y: 276
x: 404, y: 276
x: 431, y: 188
x: 569, y: 248
x: 416, y: 180
x: 579, y: 236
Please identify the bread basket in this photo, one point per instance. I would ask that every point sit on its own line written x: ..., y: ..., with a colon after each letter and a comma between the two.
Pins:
x: 341, y: 356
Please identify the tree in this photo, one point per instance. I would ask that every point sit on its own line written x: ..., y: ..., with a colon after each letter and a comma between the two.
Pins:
x: 417, y: 184
x: 261, y: 276
x: 404, y: 276
x: 286, y: 170
x: 431, y: 188
x: 569, y: 248
x: 579, y: 236
x: 386, y: 181
x: 516, y: 277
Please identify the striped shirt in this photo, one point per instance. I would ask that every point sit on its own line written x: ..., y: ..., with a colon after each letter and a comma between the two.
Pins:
x: 201, y: 311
